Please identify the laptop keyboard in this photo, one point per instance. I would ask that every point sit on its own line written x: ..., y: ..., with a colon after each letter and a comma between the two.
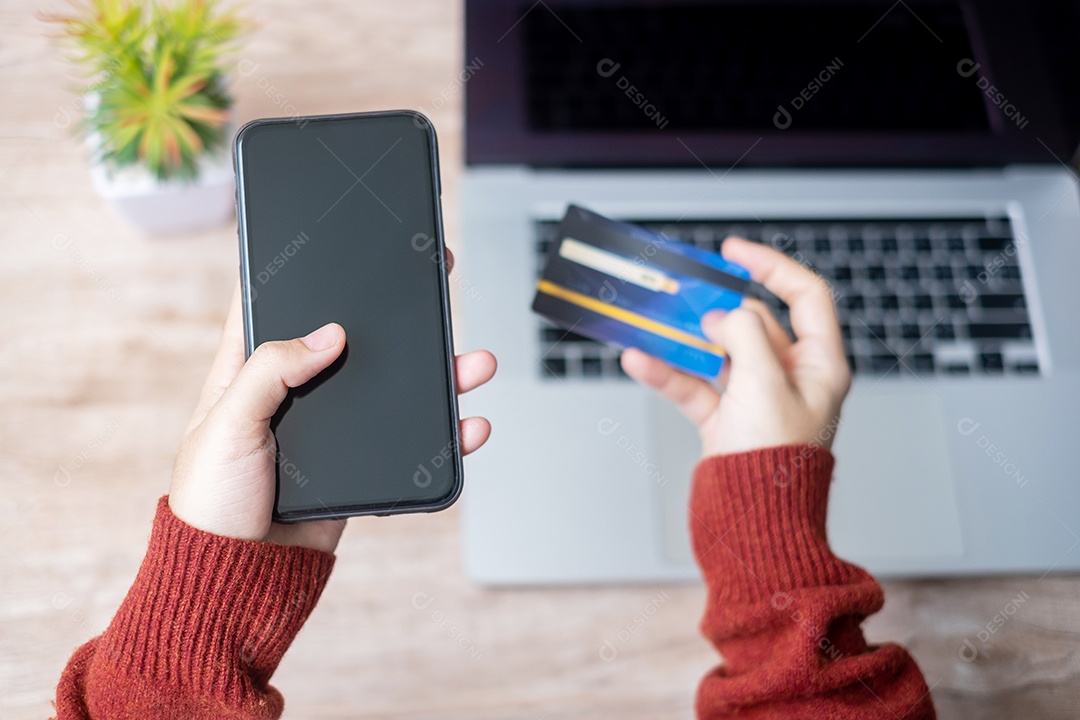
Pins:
x: 939, y: 296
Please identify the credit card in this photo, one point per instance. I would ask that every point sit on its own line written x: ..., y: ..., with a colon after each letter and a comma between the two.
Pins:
x: 628, y: 286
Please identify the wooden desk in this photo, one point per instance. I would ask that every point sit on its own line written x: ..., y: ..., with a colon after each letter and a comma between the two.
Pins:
x: 104, y: 345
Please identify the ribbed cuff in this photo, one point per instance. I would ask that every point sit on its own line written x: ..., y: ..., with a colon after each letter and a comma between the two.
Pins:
x: 211, y: 614
x: 757, y: 522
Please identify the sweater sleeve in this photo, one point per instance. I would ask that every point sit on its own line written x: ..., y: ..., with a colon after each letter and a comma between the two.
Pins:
x: 200, y: 632
x: 782, y: 610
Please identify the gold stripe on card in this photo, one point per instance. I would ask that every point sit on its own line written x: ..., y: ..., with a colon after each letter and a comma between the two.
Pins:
x: 625, y: 316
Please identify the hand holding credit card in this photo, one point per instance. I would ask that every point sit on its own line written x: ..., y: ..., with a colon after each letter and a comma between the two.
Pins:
x: 622, y: 284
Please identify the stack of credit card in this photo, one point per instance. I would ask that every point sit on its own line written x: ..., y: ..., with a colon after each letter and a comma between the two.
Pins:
x: 622, y: 284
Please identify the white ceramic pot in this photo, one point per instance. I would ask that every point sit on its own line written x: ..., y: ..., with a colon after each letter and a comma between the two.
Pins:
x: 166, y: 207
x: 172, y: 206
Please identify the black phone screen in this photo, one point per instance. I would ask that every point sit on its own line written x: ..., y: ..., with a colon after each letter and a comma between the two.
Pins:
x: 340, y: 222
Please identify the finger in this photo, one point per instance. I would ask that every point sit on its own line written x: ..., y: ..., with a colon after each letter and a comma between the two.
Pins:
x: 475, y: 431
x: 274, y: 367
x: 813, y: 314
x: 227, y: 361
x: 474, y: 369
x: 742, y: 334
x: 449, y: 261
x: 695, y: 398
x: 778, y: 336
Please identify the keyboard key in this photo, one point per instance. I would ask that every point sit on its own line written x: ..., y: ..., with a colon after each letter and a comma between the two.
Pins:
x: 856, y: 245
x: 924, y: 302
x: 922, y: 362
x: 1010, y: 272
x: 875, y: 272
x: 955, y: 302
x: 842, y: 273
x: 845, y: 330
x: 854, y: 302
x: 851, y: 362
x: 876, y: 331
x: 749, y: 233
x: 994, y: 244
x: 823, y: 246
x: 909, y: 273
x: 910, y: 331
x: 546, y: 231
x: 922, y: 244
x: 955, y: 244
x: 592, y: 366
x: 944, y: 331
x: 889, y: 302
x: 972, y: 272
x: 674, y: 232
x: 943, y: 272
x: 1003, y: 301
x: 1026, y: 368
x: 996, y: 331
x: 889, y: 246
x: 805, y: 233
x: 884, y: 364
x: 958, y: 368
x: 556, y: 367
x: 992, y: 362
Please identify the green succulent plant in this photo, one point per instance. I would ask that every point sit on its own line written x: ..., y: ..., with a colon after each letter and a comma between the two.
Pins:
x: 157, y: 87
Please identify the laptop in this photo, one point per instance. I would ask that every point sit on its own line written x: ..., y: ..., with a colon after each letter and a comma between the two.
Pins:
x: 914, y: 154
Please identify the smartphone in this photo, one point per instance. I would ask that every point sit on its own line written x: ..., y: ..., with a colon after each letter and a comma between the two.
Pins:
x: 340, y: 221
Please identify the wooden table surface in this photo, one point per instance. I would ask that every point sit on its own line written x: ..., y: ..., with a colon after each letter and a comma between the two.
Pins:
x: 105, y: 336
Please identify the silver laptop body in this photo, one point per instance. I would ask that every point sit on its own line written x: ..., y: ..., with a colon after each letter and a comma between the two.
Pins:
x: 953, y: 451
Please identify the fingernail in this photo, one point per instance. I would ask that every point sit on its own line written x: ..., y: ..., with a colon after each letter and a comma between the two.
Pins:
x: 321, y: 339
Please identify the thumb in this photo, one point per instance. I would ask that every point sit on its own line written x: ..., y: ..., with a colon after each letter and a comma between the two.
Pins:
x: 274, y: 367
x: 743, y: 334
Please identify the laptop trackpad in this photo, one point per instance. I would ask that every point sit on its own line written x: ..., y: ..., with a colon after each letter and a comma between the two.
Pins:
x: 892, y: 493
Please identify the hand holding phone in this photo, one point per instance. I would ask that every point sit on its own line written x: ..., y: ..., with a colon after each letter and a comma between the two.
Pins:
x: 224, y: 478
x: 340, y: 220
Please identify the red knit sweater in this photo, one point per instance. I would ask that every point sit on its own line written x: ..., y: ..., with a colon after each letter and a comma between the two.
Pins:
x: 208, y: 618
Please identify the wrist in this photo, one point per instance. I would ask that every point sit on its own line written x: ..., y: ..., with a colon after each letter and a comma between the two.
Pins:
x: 748, y: 436
x: 223, y: 524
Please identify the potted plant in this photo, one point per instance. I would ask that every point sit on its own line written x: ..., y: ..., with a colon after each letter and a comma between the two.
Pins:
x: 156, y: 107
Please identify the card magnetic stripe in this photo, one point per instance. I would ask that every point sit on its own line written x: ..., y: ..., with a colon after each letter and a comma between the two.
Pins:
x: 641, y: 322
x: 651, y: 253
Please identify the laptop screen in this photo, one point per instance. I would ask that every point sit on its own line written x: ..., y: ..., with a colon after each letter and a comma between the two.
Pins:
x: 776, y: 83
x: 723, y: 67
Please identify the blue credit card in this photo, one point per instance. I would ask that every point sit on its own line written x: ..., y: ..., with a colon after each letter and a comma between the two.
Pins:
x: 623, y: 284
